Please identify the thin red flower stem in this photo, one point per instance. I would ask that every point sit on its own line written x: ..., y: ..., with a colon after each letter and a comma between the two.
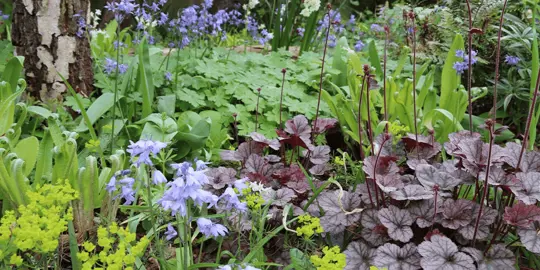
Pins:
x: 414, y: 81
x: 387, y: 31
x: 322, y: 70
x: 359, y: 117
x: 283, y: 71
x: 370, y: 129
x: 469, y: 70
x: 375, y: 176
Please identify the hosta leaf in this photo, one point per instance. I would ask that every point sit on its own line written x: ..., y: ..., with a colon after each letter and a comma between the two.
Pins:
x: 398, y: 222
x: 393, y: 257
x: 441, y: 253
x: 521, y: 215
x: 527, y: 189
x: 359, y: 256
x: 412, y: 193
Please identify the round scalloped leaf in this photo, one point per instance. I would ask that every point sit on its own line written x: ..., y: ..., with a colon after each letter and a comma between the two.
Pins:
x: 359, y: 256
x: 398, y: 222
x: 392, y: 256
x: 441, y: 253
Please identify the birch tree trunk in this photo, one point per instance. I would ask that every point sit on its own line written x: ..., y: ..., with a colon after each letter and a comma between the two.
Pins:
x: 44, y: 32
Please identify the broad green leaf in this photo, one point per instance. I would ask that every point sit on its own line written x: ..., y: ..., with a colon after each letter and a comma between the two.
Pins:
x: 38, y: 110
x: 44, y: 159
x: 98, y: 108
x: 450, y: 80
x: 167, y: 104
x: 11, y: 74
x: 146, y: 85
x: 374, y: 59
x: 27, y: 149
x: 7, y: 108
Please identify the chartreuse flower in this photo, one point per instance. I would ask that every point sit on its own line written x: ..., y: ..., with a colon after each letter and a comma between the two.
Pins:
x: 117, y: 248
x: 308, y: 225
x: 253, y: 199
x: 38, y: 225
x: 332, y: 259
x: 397, y: 130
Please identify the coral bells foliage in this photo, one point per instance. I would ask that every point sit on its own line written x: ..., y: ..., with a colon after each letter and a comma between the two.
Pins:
x: 419, y: 209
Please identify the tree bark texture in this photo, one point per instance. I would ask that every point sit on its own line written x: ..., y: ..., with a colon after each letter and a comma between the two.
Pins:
x: 44, y: 32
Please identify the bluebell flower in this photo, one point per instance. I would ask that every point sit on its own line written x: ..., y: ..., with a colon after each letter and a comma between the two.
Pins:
x: 163, y: 19
x: 128, y: 194
x: 240, y: 184
x: 332, y: 41
x: 117, y: 44
x: 460, y: 53
x: 126, y: 190
x: 111, y: 186
x: 460, y: 67
x: 376, y: 28
x: 511, y: 60
x: 111, y: 66
x: 122, y: 8
x: 300, y: 31
x: 81, y: 24
x: 229, y: 201
x: 188, y: 185
x: 210, y: 229
x: 142, y: 150
x: 168, y: 76
x: 352, y: 20
x: 158, y: 177
x: 5, y: 17
x: 359, y: 46
x: 170, y: 233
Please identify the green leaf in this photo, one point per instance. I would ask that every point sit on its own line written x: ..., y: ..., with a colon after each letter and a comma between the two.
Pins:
x: 11, y: 74
x: 27, y: 149
x: 146, y: 85
x: 44, y: 163
x: 38, y: 110
x: 374, y: 59
x: 299, y: 260
x: 450, y: 80
x: 98, y: 108
x: 167, y: 104
x: 7, y: 108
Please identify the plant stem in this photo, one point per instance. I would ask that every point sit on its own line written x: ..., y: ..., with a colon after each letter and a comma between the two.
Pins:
x: 257, y: 109
x: 469, y: 70
x: 284, y: 71
x: 413, y: 22
x: 322, y: 71
x: 370, y: 129
x: 153, y: 217
x: 359, y: 118
x: 387, y: 31
x: 115, y: 87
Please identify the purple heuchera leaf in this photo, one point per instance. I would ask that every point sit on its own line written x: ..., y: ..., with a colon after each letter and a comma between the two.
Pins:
x: 334, y: 219
x: 457, y: 213
x: 389, y: 182
x: 441, y: 253
x: 530, y: 239
x: 323, y: 124
x: 398, y: 222
x: 474, y: 154
x: 498, y: 177
x: 245, y: 150
x: 522, y: 215
x: 530, y: 161
x: 412, y: 193
x: 359, y: 256
x: 319, y: 154
x: 423, y: 211
x: 429, y: 176
x: 297, y: 132
x: 425, y: 148
x: 392, y: 256
x: 220, y: 177
x: 257, y: 169
x: 413, y: 163
x: 292, y: 173
x: 455, y: 138
x: 487, y: 218
x: 279, y: 197
x: 497, y: 257
x: 527, y: 189
x: 373, y: 231
x: 272, y: 158
x: 263, y: 141
x: 320, y: 169
x: 385, y: 165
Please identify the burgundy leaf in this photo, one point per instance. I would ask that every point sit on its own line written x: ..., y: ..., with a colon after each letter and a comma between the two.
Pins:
x: 300, y: 186
x: 412, y: 193
x: 389, y: 182
x: 451, y: 146
x: 527, y: 189
x: 441, y: 253
x: 398, y: 222
x: 245, y: 150
x: 323, y: 124
x: 359, y: 256
x: 425, y: 148
x: 457, y: 213
x: 497, y: 257
x: 392, y: 256
x: 320, y: 169
x: 220, y: 177
x: 263, y: 141
x: 257, y: 169
x: 297, y: 132
x: 522, y: 215
x: 319, y: 154
x: 385, y: 165
x: 287, y: 174
x: 530, y: 238
x: 429, y: 176
x: 423, y: 211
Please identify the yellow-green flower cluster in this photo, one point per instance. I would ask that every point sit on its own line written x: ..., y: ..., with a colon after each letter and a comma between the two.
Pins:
x: 38, y: 225
x: 118, y: 249
x: 332, y: 259
x: 92, y: 145
x: 308, y: 226
x: 253, y: 199
x: 397, y: 130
